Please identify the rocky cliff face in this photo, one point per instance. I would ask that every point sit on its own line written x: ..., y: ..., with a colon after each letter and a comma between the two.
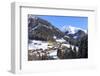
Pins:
x: 40, y: 29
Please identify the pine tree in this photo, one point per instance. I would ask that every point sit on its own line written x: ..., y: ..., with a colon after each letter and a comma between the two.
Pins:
x: 75, y: 53
x: 83, y: 47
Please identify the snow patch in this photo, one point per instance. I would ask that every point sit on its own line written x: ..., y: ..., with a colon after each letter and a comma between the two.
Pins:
x: 54, y: 52
x: 75, y: 37
x: 72, y: 30
x: 38, y: 45
x: 61, y: 40
x: 66, y: 36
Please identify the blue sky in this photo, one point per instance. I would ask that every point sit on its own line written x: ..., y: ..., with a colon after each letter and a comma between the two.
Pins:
x: 60, y: 21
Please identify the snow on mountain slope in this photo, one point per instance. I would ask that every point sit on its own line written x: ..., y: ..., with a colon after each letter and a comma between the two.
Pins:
x: 73, y: 30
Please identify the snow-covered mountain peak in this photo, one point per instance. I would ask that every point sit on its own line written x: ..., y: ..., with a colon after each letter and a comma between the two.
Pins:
x: 73, y: 30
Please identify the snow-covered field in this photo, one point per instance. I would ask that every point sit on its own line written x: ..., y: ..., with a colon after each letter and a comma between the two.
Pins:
x: 53, y: 54
x: 36, y: 44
